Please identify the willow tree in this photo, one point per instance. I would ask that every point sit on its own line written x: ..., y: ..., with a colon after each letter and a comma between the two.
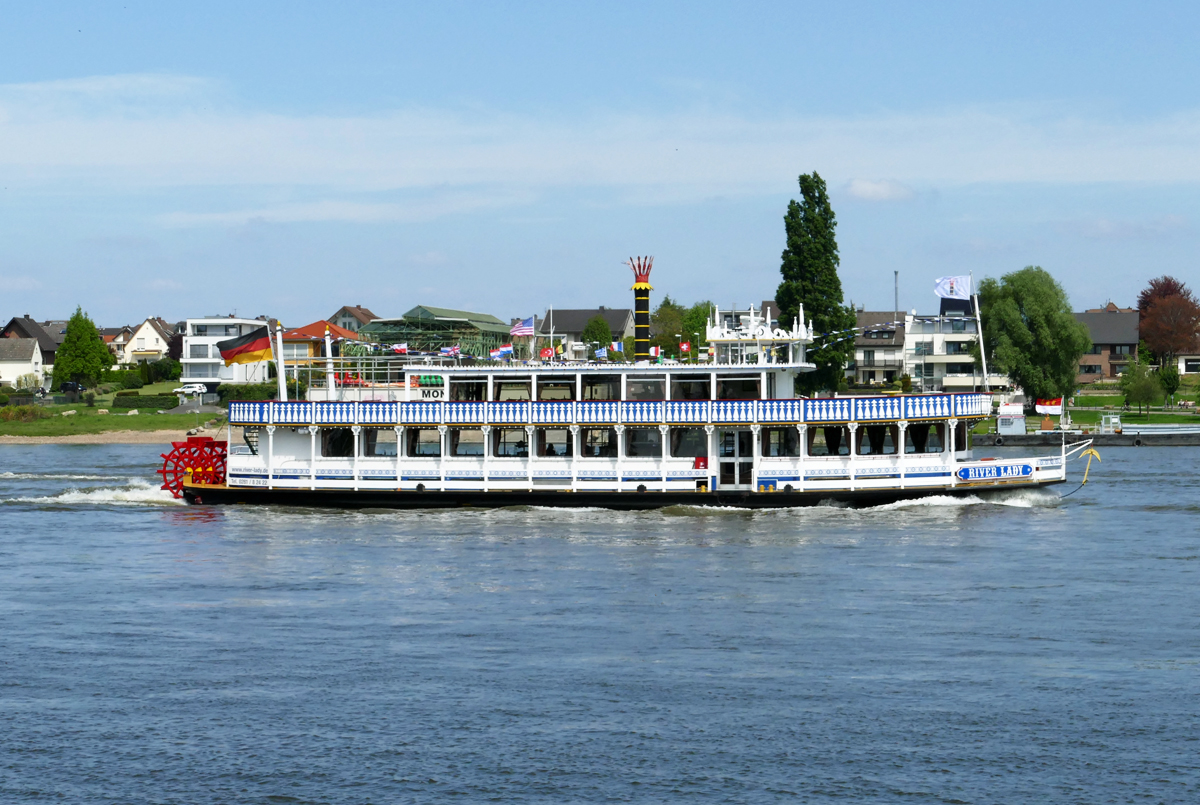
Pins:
x: 810, y: 278
x: 1030, y: 332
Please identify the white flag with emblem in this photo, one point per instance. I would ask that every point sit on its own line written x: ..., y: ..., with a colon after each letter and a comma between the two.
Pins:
x: 953, y: 287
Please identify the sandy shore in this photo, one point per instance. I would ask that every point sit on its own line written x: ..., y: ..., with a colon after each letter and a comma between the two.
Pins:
x: 112, y: 437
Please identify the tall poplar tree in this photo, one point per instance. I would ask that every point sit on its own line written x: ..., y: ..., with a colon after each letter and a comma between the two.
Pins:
x: 83, y: 356
x: 810, y: 278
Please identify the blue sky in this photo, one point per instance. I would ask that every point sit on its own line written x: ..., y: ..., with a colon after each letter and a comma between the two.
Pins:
x: 291, y: 158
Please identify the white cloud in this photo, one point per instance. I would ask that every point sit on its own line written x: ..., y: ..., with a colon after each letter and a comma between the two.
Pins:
x: 881, y: 190
x: 1126, y: 229
x: 141, y: 133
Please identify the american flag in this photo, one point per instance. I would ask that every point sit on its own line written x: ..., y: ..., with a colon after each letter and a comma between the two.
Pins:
x: 524, y: 327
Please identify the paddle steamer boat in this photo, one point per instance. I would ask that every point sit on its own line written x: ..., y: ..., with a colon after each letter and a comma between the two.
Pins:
x: 438, y: 432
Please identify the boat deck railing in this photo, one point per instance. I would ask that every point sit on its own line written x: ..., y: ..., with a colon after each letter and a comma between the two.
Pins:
x: 837, y: 410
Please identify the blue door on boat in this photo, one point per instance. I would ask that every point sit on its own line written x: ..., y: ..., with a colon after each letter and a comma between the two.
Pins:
x: 735, y: 459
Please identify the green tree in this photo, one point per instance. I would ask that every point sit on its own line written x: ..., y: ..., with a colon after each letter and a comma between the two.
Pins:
x: 596, y: 333
x: 83, y: 356
x: 1030, y: 333
x: 810, y: 279
x: 694, y: 325
x: 1140, y: 385
x: 665, y: 323
x: 1169, y: 379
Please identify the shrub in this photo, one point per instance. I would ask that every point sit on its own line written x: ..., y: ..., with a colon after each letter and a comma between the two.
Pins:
x: 906, y: 384
x: 251, y: 392
x: 132, y: 380
x: 166, y: 369
x: 28, y: 382
x: 23, y: 413
x: 90, y: 398
x: 128, y: 393
x: 3, y: 399
x: 153, y: 401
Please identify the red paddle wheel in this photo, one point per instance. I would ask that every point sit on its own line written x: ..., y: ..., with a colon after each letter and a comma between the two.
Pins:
x: 203, y: 456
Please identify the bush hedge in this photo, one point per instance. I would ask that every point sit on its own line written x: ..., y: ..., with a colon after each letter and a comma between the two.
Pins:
x: 23, y: 413
x: 154, y: 401
x: 259, y: 391
x: 127, y: 393
x: 3, y: 399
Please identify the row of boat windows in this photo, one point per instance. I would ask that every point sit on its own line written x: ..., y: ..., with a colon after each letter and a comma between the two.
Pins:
x: 783, y: 442
x: 608, y: 387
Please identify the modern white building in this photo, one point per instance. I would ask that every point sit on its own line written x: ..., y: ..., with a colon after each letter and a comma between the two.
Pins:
x: 202, y: 360
x: 937, y: 353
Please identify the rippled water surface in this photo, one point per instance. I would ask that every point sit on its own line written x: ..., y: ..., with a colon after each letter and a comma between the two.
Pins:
x: 1015, y: 648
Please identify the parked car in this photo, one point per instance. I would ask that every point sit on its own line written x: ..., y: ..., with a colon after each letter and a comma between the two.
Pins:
x: 192, y: 388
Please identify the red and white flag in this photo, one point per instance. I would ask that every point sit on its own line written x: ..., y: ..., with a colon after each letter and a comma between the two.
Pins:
x: 400, y: 348
x: 655, y: 352
x: 1050, y: 407
x: 685, y: 346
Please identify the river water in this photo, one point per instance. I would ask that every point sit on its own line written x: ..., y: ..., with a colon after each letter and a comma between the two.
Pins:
x: 1015, y: 648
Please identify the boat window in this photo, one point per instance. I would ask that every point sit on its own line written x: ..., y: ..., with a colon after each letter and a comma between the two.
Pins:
x: 598, y: 442
x: 877, y: 440
x: 466, y: 442
x: 512, y: 389
x: 689, y: 442
x: 468, y: 390
x: 962, y: 437
x: 690, y: 387
x: 638, y: 389
x: 737, y: 388
x: 554, y: 442
x: 780, y: 443
x: 379, y: 442
x: 643, y: 443
x: 601, y: 387
x: 924, y: 437
x: 829, y: 441
x: 424, y: 442
x: 337, y: 442
x: 509, y: 443
x: 556, y: 389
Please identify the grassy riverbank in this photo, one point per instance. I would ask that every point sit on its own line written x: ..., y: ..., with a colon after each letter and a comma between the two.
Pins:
x: 88, y: 420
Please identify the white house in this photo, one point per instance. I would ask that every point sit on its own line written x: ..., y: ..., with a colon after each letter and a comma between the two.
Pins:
x: 202, y: 360
x: 18, y: 357
x: 149, y: 342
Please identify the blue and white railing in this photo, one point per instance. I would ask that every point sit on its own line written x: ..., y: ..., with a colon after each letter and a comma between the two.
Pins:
x: 674, y: 412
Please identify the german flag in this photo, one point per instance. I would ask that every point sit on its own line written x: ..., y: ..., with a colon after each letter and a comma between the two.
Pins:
x: 252, y: 347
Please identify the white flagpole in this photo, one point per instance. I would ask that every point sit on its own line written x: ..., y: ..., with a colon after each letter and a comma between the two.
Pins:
x: 280, y: 368
x: 979, y: 327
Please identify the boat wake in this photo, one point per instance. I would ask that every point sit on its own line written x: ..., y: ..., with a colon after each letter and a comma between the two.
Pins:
x: 52, y: 476
x: 1015, y: 498
x: 135, y: 492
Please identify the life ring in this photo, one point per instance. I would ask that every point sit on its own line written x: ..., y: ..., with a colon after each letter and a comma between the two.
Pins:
x: 999, y: 441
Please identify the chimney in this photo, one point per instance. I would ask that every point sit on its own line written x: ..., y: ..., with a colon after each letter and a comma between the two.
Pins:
x: 641, y: 306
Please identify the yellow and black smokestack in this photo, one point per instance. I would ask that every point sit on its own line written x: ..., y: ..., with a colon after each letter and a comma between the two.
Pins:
x: 641, y: 306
